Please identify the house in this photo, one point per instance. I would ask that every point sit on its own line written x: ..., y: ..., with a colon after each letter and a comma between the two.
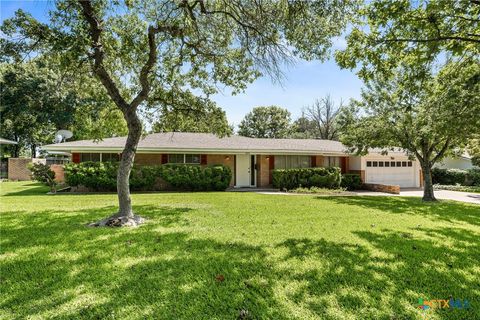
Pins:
x: 250, y: 159
x: 462, y: 162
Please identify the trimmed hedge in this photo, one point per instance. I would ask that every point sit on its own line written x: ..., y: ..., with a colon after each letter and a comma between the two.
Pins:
x: 351, y: 181
x: 102, y: 176
x: 456, y: 176
x: 288, y: 179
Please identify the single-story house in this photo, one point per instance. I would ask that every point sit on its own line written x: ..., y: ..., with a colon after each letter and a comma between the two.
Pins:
x: 250, y: 159
x: 462, y: 162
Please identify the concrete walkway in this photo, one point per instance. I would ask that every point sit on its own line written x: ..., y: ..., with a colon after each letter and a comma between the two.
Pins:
x: 468, y: 197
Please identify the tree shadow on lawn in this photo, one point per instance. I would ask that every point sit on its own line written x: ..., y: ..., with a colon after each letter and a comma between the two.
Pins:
x: 386, y: 283
x: 54, y: 266
x: 449, y: 211
x: 31, y: 189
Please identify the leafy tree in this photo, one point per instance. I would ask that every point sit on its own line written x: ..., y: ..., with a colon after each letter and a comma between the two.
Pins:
x: 426, y: 113
x: 266, y: 122
x: 473, y: 149
x: 302, y: 128
x: 37, y: 101
x: 204, y: 117
x: 157, y: 50
x: 387, y: 33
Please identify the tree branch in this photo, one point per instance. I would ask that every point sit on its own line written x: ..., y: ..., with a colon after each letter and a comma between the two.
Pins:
x: 98, y: 54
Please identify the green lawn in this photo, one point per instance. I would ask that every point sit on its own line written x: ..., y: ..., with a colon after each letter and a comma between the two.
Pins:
x: 212, y: 255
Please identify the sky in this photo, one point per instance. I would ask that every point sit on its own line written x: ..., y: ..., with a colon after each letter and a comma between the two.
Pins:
x: 304, y: 82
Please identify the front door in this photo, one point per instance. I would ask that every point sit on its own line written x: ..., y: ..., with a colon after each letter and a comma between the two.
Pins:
x: 243, y: 170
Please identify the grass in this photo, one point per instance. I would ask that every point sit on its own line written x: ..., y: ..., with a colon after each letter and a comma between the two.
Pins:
x: 222, y: 255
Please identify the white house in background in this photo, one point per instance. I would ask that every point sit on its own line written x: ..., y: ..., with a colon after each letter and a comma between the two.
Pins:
x: 462, y: 162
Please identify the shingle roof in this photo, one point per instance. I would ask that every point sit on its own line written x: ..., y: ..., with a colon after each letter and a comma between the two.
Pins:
x: 183, y: 141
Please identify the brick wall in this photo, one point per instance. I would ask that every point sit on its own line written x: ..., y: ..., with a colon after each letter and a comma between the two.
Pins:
x: 18, y: 168
x: 59, y: 172
x: 382, y: 188
x: 226, y: 160
x: 150, y: 159
x: 360, y: 172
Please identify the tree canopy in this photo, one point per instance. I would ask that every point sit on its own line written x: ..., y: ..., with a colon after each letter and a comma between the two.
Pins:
x: 427, y: 113
x: 386, y: 33
x: 161, y: 51
x: 266, y: 122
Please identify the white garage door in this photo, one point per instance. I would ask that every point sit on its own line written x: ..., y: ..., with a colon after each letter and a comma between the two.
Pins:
x: 401, y: 173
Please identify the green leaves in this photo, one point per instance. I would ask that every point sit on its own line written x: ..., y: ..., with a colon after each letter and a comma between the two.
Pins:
x: 266, y: 122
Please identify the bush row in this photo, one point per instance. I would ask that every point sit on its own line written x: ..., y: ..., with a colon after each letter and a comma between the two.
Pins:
x: 102, y: 176
x: 470, y: 177
x: 288, y: 179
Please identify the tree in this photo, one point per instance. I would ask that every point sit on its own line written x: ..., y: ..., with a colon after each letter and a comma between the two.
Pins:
x: 429, y: 114
x: 385, y: 33
x: 37, y: 101
x: 322, y: 116
x: 155, y: 51
x: 473, y: 148
x: 207, y: 117
x: 265, y: 122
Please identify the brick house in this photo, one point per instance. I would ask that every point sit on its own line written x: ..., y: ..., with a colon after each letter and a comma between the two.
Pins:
x: 251, y: 159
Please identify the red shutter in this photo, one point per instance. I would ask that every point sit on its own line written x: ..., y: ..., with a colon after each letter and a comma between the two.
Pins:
x: 343, y: 164
x: 313, y: 161
x: 164, y: 158
x: 203, y: 159
x: 271, y: 166
x: 76, y: 157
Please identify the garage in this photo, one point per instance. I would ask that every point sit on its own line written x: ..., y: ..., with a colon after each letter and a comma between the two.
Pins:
x: 401, y: 173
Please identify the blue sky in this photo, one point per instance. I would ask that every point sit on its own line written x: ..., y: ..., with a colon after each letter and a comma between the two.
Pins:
x: 305, y: 81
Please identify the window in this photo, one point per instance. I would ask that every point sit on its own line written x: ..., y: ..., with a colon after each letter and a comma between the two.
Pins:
x: 404, y: 163
x: 331, y: 161
x: 289, y: 162
x: 192, y: 158
x: 184, y: 158
x: 369, y: 163
x: 375, y: 163
x: 399, y: 163
x: 387, y: 163
x: 108, y: 157
x: 380, y: 163
x: 392, y: 163
x: 95, y: 157
x: 409, y: 163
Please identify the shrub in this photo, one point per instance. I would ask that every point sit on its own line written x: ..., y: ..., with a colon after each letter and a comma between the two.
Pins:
x: 351, y: 181
x: 42, y: 173
x: 448, y: 176
x: 473, y: 177
x: 317, y: 190
x: 289, y: 179
x: 102, y: 176
x: 196, y: 178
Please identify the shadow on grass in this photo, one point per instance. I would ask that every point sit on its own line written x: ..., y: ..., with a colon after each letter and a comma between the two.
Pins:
x: 54, y: 266
x: 444, y: 210
x: 31, y: 189
x: 387, y: 279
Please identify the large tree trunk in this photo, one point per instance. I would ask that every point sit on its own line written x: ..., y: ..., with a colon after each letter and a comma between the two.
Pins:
x: 427, y: 183
x: 126, y: 163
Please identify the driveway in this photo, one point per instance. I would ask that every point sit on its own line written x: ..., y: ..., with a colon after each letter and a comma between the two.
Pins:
x: 445, y: 194
x: 469, y: 197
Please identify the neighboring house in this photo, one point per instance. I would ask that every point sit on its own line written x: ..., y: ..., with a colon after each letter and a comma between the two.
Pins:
x: 463, y: 162
x: 251, y: 159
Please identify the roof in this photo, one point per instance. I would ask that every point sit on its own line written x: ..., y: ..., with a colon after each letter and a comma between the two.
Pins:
x: 6, y: 141
x: 205, y: 142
